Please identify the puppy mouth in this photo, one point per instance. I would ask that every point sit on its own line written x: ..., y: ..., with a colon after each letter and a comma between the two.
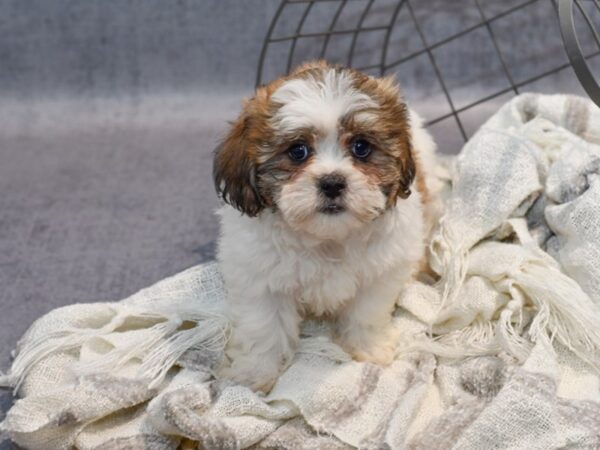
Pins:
x: 331, y: 208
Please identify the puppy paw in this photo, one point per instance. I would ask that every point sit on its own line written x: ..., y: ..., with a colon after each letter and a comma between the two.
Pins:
x: 368, y: 345
x: 256, y: 372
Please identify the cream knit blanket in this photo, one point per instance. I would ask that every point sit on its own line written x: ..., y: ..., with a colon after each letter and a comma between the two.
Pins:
x: 503, y: 352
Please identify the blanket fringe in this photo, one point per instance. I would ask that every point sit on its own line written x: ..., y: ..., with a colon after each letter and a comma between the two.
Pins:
x: 565, y: 313
x: 477, y: 339
x: 450, y: 259
x: 158, y: 347
x: 211, y: 334
x: 560, y: 311
x: 509, y: 336
x: 34, y: 350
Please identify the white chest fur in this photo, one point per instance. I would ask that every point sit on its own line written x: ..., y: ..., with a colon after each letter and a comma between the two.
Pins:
x: 319, y: 277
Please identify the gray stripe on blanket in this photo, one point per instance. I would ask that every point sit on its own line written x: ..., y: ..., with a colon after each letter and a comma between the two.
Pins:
x: 141, y: 442
x: 368, y: 381
x: 463, y: 422
x: 181, y: 410
x: 577, y: 115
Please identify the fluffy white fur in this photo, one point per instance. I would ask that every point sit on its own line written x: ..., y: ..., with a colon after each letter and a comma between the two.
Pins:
x: 318, y: 103
x: 296, y: 261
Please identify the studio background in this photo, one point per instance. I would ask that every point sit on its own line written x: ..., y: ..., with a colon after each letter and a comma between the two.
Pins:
x: 110, y: 111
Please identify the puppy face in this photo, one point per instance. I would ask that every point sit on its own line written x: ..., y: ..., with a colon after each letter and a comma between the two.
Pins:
x: 327, y: 148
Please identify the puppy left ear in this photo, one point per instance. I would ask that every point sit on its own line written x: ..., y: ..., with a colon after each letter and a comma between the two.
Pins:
x: 390, y: 95
x: 407, y: 174
x: 234, y: 170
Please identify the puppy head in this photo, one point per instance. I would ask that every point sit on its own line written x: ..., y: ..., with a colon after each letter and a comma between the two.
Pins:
x: 327, y: 148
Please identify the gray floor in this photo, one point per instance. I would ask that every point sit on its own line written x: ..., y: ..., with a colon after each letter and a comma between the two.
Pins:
x: 109, y: 115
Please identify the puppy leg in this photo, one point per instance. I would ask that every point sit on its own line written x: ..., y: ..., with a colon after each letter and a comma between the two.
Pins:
x: 265, y: 333
x: 364, y: 329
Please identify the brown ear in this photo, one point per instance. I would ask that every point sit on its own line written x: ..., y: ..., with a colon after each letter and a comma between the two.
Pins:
x: 407, y: 173
x: 390, y: 98
x: 234, y: 170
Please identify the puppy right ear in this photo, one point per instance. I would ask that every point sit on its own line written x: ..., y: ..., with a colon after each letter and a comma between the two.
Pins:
x: 234, y: 170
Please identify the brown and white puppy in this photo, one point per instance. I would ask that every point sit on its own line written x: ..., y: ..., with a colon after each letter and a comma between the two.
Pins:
x: 325, y: 166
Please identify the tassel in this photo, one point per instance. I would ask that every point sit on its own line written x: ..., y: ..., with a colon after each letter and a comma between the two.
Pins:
x: 565, y: 313
x: 209, y: 333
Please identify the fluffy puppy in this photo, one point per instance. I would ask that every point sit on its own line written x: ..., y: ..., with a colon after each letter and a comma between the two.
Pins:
x: 325, y: 216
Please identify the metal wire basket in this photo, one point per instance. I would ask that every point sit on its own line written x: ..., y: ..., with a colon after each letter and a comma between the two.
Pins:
x: 457, y: 60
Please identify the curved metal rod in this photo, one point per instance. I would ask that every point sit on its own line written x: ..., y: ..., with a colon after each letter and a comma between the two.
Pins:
x: 388, y: 33
x: 436, y: 70
x: 497, y: 48
x: 358, y: 29
x: 295, y: 40
x: 263, y: 52
x: 574, y: 52
x: 459, y: 34
x: 331, y: 27
x: 589, y: 22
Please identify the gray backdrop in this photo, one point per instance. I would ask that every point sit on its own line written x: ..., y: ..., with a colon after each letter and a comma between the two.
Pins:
x: 110, y: 111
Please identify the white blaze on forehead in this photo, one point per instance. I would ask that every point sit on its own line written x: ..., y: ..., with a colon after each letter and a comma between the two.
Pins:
x: 318, y: 103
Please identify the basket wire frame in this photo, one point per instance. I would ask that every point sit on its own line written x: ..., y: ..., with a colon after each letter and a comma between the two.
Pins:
x: 573, y: 47
x: 563, y: 8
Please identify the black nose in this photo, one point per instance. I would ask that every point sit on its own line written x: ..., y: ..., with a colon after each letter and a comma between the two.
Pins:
x: 332, y: 185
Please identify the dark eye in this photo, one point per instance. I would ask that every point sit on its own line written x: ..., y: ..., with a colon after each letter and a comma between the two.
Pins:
x: 361, y: 148
x: 298, y: 152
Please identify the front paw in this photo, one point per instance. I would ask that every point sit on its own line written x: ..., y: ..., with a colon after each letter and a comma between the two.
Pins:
x: 371, y: 345
x: 258, y: 372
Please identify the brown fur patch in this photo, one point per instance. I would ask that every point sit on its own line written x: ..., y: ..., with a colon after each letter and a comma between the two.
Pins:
x: 392, y: 158
x: 236, y: 158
